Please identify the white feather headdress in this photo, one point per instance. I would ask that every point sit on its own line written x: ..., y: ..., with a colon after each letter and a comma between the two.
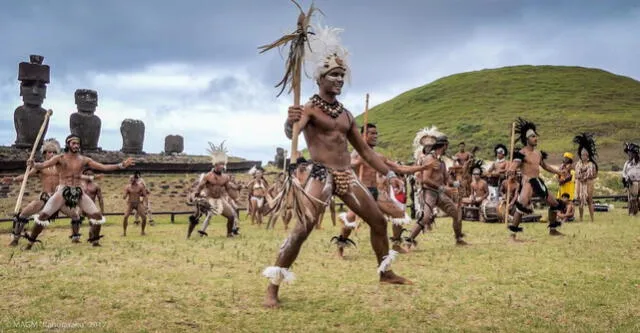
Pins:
x: 326, y: 52
x: 425, y: 137
x: 218, y: 153
x: 51, y: 144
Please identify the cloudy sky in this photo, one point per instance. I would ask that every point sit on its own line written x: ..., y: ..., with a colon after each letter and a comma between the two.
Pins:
x: 191, y: 67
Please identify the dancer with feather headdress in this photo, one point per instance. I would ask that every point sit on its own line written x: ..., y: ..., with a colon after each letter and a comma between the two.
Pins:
x: 217, y: 184
x: 631, y: 176
x: 382, y: 191
x: 586, y: 172
x: 479, y: 187
x: 328, y: 128
x: 530, y: 160
x: 431, y: 145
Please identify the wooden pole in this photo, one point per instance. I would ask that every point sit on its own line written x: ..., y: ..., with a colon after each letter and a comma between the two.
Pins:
x: 16, y: 210
x: 513, y: 134
x: 364, y: 131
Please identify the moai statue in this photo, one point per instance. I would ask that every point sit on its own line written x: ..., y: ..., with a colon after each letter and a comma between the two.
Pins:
x: 85, y: 123
x: 132, y: 136
x: 279, y: 159
x: 173, y: 144
x: 28, y: 118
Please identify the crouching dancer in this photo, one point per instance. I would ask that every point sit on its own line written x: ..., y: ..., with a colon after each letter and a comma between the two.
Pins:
x: 69, y: 194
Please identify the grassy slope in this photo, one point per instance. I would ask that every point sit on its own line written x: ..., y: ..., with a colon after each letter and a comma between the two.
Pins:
x: 478, y: 107
x: 585, y: 282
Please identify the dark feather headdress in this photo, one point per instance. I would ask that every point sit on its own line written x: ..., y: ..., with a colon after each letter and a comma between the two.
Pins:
x: 587, y: 142
x: 524, y: 129
x: 475, y: 164
x: 498, y: 147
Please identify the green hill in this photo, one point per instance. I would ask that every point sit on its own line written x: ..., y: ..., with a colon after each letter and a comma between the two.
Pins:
x: 479, y: 107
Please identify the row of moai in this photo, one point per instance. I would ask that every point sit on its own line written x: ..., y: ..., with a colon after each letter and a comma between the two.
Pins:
x: 34, y: 77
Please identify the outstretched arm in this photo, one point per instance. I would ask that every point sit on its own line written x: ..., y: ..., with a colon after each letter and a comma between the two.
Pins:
x: 18, y: 178
x: 109, y: 167
x: 407, y: 169
x: 48, y: 163
x: 547, y: 167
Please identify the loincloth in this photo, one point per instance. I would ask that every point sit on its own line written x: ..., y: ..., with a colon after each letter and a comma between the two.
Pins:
x: 71, y: 195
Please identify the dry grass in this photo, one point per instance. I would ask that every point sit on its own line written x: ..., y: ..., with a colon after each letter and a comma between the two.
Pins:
x: 587, y: 281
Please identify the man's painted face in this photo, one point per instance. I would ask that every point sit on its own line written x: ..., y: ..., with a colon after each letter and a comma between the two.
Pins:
x: 49, y: 154
x: 372, y: 136
x: 584, y: 155
x: 218, y: 167
x: 332, y: 82
x: 533, y: 140
x: 476, y: 174
x: 461, y: 146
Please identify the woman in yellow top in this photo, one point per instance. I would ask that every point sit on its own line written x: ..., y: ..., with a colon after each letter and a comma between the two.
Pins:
x: 567, y: 181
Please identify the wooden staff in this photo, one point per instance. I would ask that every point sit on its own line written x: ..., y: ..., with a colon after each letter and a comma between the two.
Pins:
x: 47, y: 115
x: 364, y: 132
x: 513, y: 134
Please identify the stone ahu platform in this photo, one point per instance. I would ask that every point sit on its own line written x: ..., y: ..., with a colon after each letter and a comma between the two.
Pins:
x: 14, y: 160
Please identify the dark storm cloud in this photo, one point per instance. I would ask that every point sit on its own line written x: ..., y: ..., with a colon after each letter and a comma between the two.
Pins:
x: 394, y: 45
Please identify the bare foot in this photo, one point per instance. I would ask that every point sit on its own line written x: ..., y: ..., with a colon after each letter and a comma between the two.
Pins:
x: 398, y: 248
x: 29, y: 246
x: 142, y: 233
x: 554, y: 232
x: 391, y: 278
x: 271, y: 300
x: 96, y: 244
x: 461, y: 242
x: 13, y: 243
x: 340, y: 253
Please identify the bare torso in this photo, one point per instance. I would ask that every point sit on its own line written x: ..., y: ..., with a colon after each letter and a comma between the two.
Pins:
x: 530, y: 167
x: 70, y: 168
x: 92, y: 190
x: 479, y: 188
x: 135, y: 192
x: 326, y: 137
x: 369, y: 174
x: 50, y: 178
x: 434, y: 176
x: 216, y: 184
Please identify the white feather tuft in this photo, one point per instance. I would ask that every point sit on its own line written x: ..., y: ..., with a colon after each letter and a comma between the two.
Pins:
x: 385, y: 265
x: 350, y: 225
x: 97, y: 222
x: 324, y: 45
x: 40, y: 222
x: 278, y: 275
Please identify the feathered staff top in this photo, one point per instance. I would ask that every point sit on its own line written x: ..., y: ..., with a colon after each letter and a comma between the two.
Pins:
x: 525, y: 129
x: 586, y: 141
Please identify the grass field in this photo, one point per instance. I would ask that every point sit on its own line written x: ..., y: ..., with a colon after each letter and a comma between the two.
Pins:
x: 588, y: 281
x: 478, y: 108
